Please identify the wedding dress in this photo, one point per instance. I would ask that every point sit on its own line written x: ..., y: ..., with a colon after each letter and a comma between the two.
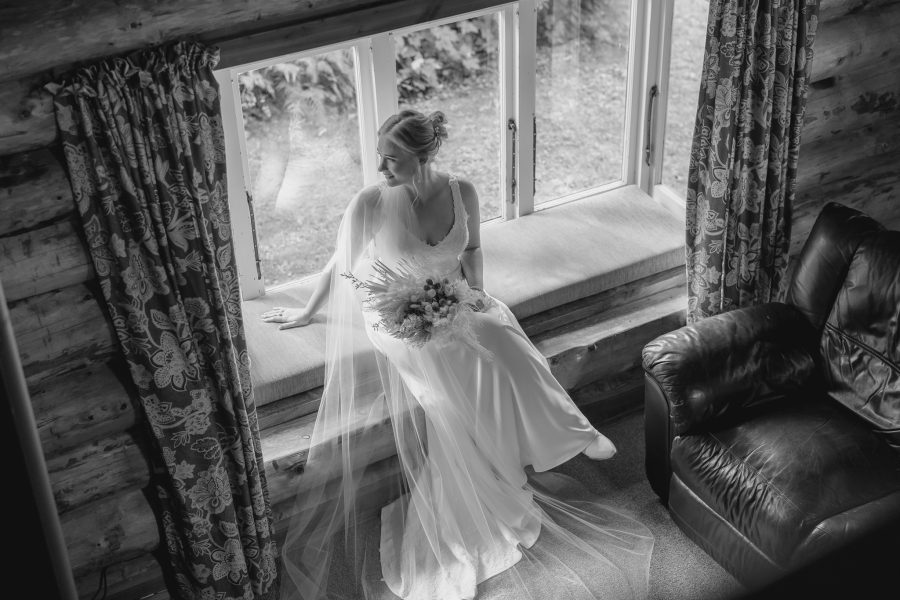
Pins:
x: 477, y: 513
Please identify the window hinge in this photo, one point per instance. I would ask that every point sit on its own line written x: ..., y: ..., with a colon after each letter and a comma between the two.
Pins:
x: 648, y: 146
x: 511, y: 125
x: 253, y: 232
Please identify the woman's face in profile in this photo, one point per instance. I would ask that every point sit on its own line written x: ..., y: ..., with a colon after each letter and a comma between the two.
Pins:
x: 398, y: 166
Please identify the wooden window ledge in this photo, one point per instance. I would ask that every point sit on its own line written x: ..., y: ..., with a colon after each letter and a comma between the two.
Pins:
x: 533, y: 264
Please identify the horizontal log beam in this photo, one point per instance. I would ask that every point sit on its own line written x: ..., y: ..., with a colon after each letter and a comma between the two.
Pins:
x: 61, y: 331
x: 34, y: 189
x: 836, y: 9
x: 286, y: 450
x: 856, y: 175
x: 821, y: 160
x: 83, y: 405
x: 601, y: 346
x: 855, y: 40
x: 89, y: 30
x: 95, y: 470
x: 37, y: 37
x: 584, y: 308
x: 379, y: 485
x: 27, y: 120
x: 109, y: 531
x: 44, y: 259
x: 138, y: 577
x: 612, y: 396
x: 871, y: 186
x: 851, y: 101
x: 288, y: 409
x: 366, y: 19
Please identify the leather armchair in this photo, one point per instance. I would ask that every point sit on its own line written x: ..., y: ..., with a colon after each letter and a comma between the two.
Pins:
x: 773, y: 432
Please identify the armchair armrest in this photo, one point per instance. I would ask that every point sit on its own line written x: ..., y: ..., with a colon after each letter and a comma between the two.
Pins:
x: 717, y: 369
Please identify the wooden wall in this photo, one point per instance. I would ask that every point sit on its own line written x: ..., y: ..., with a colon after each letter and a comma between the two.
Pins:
x: 849, y: 150
x: 83, y: 405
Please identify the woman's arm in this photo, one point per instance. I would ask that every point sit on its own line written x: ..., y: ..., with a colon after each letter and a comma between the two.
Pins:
x: 472, y: 267
x: 298, y: 317
x: 471, y: 259
x: 359, y: 212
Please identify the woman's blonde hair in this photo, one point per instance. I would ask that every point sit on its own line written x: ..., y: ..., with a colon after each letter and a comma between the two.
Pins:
x: 416, y: 133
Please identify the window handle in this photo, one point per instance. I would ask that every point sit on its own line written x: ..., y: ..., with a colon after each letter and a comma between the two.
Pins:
x: 648, y: 146
x: 534, y: 154
x: 255, y: 239
x: 511, y: 125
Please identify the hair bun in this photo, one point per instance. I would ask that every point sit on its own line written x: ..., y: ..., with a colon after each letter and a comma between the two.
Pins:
x: 438, y: 121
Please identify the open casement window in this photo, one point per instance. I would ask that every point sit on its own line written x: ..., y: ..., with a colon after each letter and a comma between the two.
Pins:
x: 548, y: 101
x: 675, y: 51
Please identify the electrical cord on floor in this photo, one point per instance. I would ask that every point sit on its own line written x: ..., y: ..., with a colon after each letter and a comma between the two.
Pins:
x: 102, y: 587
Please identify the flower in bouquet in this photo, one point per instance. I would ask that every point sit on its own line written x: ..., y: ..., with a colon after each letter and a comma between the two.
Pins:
x: 417, y: 308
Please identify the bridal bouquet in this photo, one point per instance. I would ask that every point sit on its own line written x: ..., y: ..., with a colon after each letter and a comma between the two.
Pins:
x: 417, y: 309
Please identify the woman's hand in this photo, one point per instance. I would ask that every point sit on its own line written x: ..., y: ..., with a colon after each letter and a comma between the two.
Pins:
x: 289, y: 317
x: 482, y: 300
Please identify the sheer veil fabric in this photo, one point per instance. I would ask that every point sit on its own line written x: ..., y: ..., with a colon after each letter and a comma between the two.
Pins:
x: 462, y: 504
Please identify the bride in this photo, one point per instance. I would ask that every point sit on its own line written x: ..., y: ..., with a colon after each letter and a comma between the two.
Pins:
x: 475, y: 510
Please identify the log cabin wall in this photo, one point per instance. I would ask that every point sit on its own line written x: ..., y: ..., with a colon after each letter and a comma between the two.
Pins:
x: 849, y: 151
x: 82, y: 403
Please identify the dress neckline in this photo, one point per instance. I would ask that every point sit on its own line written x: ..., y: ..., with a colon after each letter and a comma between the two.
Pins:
x: 454, y: 194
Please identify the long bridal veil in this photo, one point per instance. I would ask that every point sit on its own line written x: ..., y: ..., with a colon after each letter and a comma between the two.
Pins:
x: 411, y: 487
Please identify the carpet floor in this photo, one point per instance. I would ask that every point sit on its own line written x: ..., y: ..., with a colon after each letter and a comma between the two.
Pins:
x: 679, y: 569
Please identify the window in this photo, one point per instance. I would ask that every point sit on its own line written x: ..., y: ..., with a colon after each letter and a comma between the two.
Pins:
x: 471, y: 49
x: 675, y: 46
x: 547, y: 101
x: 686, y: 62
x: 581, y: 88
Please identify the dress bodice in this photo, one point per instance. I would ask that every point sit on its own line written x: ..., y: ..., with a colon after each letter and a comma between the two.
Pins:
x: 440, y: 259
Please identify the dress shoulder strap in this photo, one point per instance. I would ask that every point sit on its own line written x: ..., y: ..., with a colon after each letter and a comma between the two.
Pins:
x: 458, y: 206
x: 454, y: 187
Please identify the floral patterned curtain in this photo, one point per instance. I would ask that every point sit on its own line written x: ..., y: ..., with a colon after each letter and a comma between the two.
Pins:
x: 745, y: 151
x: 144, y: 147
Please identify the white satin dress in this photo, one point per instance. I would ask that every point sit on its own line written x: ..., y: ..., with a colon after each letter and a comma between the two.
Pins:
x: 468, y: 513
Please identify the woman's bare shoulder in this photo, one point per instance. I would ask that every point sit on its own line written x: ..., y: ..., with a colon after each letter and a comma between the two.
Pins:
x: 468, y: 193
x: 466, y: 189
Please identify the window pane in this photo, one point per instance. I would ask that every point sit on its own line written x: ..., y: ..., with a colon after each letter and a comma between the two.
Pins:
x: 303, y: 148
x: 454, y: 68
x: 582, y: 71
x: 688, y: 38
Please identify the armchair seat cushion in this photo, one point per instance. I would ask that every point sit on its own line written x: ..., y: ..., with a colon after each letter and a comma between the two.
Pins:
x: 792, y: 481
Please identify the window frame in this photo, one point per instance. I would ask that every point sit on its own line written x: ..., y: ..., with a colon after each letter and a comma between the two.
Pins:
x: 659, y: 29
x: 377, y: 98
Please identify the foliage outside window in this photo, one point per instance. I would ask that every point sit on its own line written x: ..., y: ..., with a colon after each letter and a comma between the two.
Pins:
x: 301, y: 118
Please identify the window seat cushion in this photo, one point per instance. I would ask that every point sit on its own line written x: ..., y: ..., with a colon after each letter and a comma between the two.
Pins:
x: 578, y: 249
x: 532, y: 264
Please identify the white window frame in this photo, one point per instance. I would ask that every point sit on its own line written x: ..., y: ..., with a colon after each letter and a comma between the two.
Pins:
x: 659, y: 43
x: 648, y: 65
x: 239, y: 200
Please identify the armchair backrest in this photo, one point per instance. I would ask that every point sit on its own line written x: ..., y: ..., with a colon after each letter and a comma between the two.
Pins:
x: 847, y: 283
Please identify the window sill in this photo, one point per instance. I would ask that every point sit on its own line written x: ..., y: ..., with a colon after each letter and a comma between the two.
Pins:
x: 532, y: 264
